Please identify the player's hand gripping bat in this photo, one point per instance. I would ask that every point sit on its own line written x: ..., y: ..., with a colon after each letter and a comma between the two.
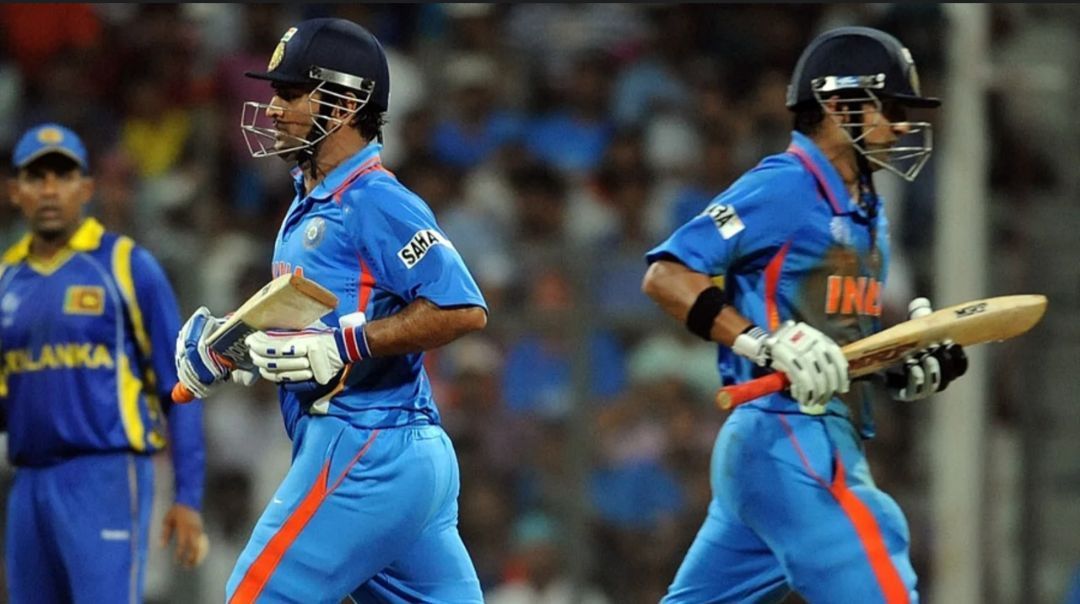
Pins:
x: 288, y: 302
x: 975, y: 322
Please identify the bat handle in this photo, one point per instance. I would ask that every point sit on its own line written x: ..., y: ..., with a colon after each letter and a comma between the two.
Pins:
x: 180, y: 394
x: 731, y: 396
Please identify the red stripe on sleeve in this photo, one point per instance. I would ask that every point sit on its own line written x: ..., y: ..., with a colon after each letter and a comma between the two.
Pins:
x: 772, y: 282
x: 367, y: 283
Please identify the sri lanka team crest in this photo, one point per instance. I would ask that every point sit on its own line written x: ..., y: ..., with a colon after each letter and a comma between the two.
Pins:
x: 313, y: 234
x: 50, y: 136
x: 279, y: 50
x: 84, y: 300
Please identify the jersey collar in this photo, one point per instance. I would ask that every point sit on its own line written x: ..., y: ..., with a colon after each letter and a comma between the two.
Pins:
x: 828, y: 179
x: 343, y: 173
x: 86, y: 238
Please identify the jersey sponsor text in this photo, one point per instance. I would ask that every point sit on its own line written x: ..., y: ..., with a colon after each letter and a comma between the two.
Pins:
x: 417, y: 247
x: 726, y: 219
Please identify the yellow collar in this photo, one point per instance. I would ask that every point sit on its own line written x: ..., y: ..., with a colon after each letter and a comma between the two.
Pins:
x: 86, y: 238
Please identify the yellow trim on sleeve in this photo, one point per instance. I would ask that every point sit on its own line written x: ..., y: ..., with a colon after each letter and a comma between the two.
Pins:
x: 129, y: 388
x: 124, y: 278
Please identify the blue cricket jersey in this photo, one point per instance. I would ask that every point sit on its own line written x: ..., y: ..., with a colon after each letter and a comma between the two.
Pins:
x: 790, y: 243
x: 377, y: 246
x: 87, y: 341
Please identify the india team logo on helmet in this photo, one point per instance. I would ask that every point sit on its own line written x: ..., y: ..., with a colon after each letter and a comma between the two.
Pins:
x: 341, y: 65
x: 279, y: 50
x: 913, y: 75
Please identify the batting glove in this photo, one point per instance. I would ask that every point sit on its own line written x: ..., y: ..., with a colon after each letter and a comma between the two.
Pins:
x: 197, y: 367
x: 928, y: 370
x: 813, y: 363
x: 313, y: 354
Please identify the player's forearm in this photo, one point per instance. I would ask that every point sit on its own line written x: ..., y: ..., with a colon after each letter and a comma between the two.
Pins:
x: 675, y: 288
x: 422, y: 326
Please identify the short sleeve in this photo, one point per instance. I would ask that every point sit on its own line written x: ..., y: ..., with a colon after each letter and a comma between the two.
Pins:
x: 751, y: 219
x: 395, y: 230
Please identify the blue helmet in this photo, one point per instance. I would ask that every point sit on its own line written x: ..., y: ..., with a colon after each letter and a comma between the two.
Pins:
x: 340, y: 61
x: 331, y: 50
x: 865, y: 66
x: 857, y: 57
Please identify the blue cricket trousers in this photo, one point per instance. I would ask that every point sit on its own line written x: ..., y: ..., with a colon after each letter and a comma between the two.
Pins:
x: 794, y: 507
x: 78, y: 531
x: 370, y: 513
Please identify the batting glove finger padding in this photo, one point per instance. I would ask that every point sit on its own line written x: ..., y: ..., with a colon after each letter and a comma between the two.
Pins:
x: 928, y: 370
x: 814, y: 363
x: 296, y: 356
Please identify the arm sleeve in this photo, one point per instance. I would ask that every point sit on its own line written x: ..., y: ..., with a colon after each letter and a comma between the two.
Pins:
x: 162, y: 320
x: 749, y: 221
x: 410, y: 253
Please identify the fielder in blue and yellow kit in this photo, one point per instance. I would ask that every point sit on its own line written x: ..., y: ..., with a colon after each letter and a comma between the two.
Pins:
x: 87, y: 327
x: 368, y: 508
x: 800, y: 246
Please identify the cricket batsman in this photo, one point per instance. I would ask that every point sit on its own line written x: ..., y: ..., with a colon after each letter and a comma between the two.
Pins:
x: 781, y: 269
x: 368, y: 508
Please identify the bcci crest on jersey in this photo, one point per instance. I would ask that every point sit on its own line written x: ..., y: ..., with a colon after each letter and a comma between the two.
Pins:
x: 417, y: 247
x: 727, y: 221
x: 313, y: 234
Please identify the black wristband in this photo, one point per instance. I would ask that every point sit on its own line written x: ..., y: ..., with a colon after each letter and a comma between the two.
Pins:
x: 703, y: 312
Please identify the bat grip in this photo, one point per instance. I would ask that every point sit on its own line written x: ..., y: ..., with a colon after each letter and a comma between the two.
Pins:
x: 180, y: 394
x: 731, y: 396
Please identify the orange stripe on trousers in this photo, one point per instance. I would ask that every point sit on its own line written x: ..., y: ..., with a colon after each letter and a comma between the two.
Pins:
x: 260, y: 571
x: 870, y: 534
x: 866, y: 526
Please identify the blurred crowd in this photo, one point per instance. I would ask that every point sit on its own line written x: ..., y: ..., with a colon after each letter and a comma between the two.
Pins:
x: 556, y: 144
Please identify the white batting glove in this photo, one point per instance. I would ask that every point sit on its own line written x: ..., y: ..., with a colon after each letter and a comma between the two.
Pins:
x: 812, y: 361
x: 296, y: 356
x: 928, y: 370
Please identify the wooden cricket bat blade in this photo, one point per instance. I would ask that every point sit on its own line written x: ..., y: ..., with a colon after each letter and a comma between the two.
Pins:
x: 967, y: 324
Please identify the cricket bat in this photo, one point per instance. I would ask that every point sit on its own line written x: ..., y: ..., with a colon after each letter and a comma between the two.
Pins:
x: 975, y: 322
x: 288, y: 302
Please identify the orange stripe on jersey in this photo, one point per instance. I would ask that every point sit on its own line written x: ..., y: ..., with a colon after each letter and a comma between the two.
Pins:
x: 260, y: 571
x: 372, y: 165
x: 772, y: 281
x: 367, y: 282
